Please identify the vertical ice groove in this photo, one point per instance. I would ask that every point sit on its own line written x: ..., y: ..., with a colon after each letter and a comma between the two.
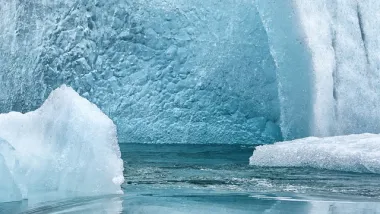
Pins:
x: 319, y: 36
x: 292, y: 59
x: 342, y: 39
x: 362, y: 33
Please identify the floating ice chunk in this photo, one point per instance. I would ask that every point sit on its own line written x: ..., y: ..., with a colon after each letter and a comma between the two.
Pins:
x: 356, y: 153
x: 67, y: 147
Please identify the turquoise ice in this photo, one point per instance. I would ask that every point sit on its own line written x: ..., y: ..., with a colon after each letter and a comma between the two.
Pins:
x: 66, y: 148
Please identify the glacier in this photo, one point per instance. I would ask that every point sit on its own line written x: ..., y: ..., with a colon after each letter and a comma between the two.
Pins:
x: 326, y: 53
x: 353, y: 153
x: 342, y: 38
x: 249, y: 71
x: 334, y: 45
x: 163, y: 71
x: 65, y: 148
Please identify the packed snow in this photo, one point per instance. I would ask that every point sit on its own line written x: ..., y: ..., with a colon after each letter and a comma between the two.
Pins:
x: 67, y: 147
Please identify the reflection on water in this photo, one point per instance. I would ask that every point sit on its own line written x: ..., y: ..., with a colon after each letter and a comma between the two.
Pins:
x: 103, y: 204
x: 217, y: 179
x: 13, y: 207
x: 197, y: 203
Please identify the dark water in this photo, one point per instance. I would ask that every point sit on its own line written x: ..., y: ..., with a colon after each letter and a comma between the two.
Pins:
x: 163, y: 178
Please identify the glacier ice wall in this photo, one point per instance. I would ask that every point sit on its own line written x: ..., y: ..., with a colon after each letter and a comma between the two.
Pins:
x: 293, y: 66
x: 326, y: 53
x: 164, y: 71
x: 199, y: 71
x: 65, y: 148
x: 342, y: 37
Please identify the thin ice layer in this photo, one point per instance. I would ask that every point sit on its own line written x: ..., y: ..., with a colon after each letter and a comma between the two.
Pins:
x: 356, y: 153
x: 67, y: 147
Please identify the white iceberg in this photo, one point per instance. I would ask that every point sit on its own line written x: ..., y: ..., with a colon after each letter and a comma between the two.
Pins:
x: 354, y: 153
x: 67, y: 147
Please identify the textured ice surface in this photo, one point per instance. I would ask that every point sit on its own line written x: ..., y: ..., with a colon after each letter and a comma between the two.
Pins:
x: 342, y: 36
x: 356, y: 153
x: 9, y: 191
x: 200, y: 71
x: 67, y: 147
x: 292, y: 59
x: 326, y: 53
x: 165, y: 71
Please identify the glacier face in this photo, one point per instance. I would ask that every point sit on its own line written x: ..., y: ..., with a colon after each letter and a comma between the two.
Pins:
x: 326, y: 53
x: 199, y: 72
x: 164, y: 71
x: 342, y: 38
x: 65, y: 148
x: 293, y: 66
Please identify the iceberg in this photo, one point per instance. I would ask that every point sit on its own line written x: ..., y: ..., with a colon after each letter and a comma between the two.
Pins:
x: 354, y: 153
x: 67, y: 147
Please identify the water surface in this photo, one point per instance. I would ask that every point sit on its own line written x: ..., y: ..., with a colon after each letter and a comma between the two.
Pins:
x: 175, y: 178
